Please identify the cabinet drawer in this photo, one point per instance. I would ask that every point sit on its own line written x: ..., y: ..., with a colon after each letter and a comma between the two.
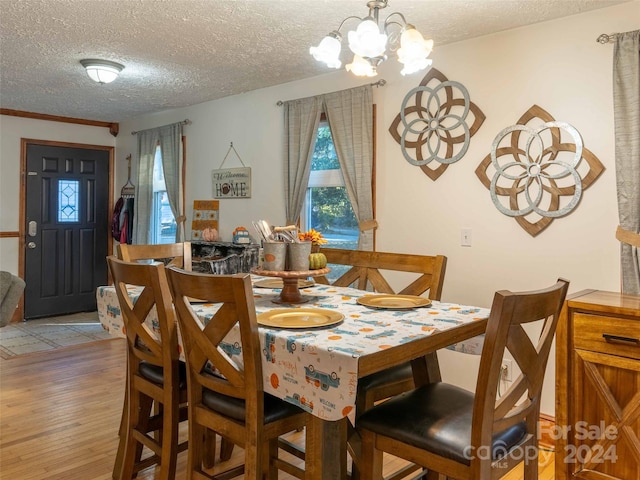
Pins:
x: 615, y: 336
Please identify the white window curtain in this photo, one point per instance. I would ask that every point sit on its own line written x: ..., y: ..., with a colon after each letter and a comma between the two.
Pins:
x: 169, y: 138
x: 350, y: 118
x: 301, y: 120
x: 626, y: 97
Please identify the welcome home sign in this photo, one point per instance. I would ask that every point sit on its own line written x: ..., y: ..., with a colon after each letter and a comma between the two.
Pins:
x: 231, y: 182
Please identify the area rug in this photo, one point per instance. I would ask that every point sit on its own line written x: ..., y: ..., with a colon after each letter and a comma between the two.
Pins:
x: 50, y: 333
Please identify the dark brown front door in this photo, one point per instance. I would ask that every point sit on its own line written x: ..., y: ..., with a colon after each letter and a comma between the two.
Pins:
x: 67, y: 228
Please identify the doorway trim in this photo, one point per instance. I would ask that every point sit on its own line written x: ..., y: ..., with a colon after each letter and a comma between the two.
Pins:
x: 22, y: 234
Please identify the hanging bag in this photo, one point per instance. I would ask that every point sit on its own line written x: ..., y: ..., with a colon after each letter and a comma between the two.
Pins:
x: 116, y: 229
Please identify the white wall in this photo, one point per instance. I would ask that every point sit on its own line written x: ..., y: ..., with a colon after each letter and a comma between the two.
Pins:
x: 12, y: 130
x: 557, y: 65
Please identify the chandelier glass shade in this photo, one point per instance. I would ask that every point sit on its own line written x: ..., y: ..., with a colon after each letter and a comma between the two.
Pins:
x: 370, y: 40
x: 102, y: 71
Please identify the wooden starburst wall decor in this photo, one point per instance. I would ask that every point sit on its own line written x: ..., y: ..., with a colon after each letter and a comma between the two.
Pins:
x: 538, y: 170
x: 436, y: 123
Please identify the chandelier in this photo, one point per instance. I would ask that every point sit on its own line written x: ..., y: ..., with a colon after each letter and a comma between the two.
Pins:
x: 369, y: 41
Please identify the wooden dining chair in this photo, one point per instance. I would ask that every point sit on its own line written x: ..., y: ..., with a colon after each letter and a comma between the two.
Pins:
x: 365, y: 272
x: 155, y: 374
x: 223, y: 397
x: 462, y: 435
x: 171, y: 254
x: 367, y: 267
x: 178, y: 255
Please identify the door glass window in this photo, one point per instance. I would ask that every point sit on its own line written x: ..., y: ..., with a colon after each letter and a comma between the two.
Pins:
x: 163, y: 223
x: 68, y: 200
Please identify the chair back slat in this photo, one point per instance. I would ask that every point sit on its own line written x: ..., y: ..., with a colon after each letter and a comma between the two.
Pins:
x: 375, y: 278
x: 521, y: 402
x: 367, y: 270
x: 148, y: 346
x: 157, y: 344
x: 171, y: 254
x: 207, y: 364
x: 203, y: 357
x: 350, y: 276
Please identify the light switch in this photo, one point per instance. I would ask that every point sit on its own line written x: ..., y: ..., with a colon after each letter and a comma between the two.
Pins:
x: 465, y: 237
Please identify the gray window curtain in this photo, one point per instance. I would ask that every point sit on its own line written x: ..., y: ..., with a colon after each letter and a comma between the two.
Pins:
x: 171, y: 147
x: 169, y: 138
x: 301, y: 120
x: 626, y: 99
x: 350, y: 118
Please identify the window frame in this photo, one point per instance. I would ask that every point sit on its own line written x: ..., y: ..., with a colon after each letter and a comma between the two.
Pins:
x: 74, y: 217
x: 334, y: 178
x: 317, y: 179
x: 155, y: 219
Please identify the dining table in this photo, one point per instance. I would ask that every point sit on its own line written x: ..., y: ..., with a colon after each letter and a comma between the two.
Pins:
x: 318, y: 368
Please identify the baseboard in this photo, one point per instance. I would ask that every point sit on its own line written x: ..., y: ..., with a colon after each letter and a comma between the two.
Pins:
x: 546, y: 429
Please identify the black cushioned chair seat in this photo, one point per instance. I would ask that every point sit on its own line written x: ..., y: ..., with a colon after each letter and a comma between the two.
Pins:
x: 155, y: 374
x: 384, y: 377
x: 274, y: 408
x: 436, y: 418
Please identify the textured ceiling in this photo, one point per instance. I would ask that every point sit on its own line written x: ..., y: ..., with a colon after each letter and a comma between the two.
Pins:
x: 183, y: 52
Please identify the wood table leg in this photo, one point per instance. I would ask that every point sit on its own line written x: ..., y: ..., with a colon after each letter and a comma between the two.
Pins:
x: 426, y: 369
x: 326, y: 449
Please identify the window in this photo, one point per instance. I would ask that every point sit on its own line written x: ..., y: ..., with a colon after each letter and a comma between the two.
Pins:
x: 327, y: 207
x: 68, y: 200
x: 163, y: 223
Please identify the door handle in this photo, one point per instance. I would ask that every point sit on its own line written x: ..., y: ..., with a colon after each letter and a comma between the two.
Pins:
x: 31, y: 245
x: 33, y: 228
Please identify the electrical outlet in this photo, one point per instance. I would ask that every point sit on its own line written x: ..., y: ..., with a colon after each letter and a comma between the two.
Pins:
x: 506, y: 370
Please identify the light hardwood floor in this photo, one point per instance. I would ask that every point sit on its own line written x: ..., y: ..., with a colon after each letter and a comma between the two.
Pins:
x: 60, y: 411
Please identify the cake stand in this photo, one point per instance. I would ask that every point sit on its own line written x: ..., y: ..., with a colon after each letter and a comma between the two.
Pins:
x: 290, y: 292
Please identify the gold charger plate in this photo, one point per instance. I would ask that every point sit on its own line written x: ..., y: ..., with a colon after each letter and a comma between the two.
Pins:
x: 394, y: 302
x: 277, y: 283
x: 300, y: 318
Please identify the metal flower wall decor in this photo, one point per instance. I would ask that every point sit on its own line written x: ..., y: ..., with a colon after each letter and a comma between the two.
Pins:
x: 436, y: 123
x: 537, y: 170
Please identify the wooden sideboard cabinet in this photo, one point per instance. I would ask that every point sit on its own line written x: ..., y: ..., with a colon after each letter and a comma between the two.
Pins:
x: 597, y: 427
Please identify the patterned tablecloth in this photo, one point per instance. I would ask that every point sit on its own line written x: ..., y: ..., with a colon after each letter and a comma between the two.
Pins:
x: 318, y: 369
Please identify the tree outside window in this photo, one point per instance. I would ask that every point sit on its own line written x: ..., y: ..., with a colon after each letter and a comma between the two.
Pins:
x: 327, y: 207
x: 163, y: 223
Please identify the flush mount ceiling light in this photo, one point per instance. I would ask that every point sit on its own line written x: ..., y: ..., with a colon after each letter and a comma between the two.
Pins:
x: 102, y: 71
x: 369, y: 42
